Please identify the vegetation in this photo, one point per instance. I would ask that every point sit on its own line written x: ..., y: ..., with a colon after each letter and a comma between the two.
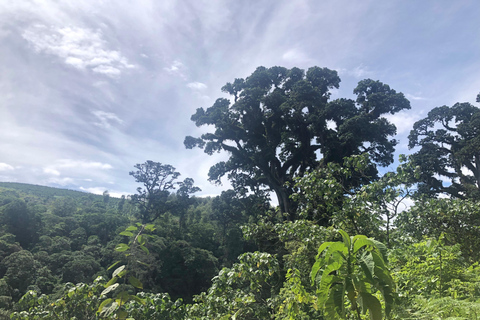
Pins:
x: 281, y: 118
x: 344, y: 245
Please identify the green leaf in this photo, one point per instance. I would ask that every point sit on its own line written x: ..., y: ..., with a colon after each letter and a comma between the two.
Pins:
x: 150, y: 227
x: 144, y: 249
x: 139, y: 300
x: 126, y: 233
x: 107, y: 311
x: 141, y: 240
x: 135, y: 282
x: 122, y: 298
x: 316, y: 266
x: 109, y: 289
x: 131, y: 228
x: 360, y: 242
x: 121, y: 314
x: 346, y: 238
x: 121, y: 247
x: 322, y: 247
x: 117, y: 271
x: 112, y: 281
x: 103, y: 304
x: 370, y: 302
x: 113, y: 265
x: 368, y: 265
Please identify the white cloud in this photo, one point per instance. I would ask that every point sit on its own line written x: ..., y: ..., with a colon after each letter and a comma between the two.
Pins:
x: 57, y: 167
x: 105, y: 119
x: 61, y: 181
x: 412, y: 97
x: 403, y: 120
x: 466, y: 171
x: 295, y: 56
x: 51, y: 171
x: 6, y: 167
x: 101, y: 190
x: 197, y: 86
x: 361, y: 72
x: 176, y: 68
x: 69, y: 163
x: 80, y: 48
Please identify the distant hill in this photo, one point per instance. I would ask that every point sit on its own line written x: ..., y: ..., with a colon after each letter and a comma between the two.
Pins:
x: 43, y: 191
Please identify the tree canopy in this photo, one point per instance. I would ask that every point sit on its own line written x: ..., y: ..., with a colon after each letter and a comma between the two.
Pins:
x: 449, y: 157
x: 281, y: 124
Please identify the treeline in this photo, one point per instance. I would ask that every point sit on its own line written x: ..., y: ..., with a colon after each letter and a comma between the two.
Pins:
x: 344, y: 243
x: 47, y: 241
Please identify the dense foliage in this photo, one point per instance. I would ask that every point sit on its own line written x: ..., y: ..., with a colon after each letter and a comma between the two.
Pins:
x: 281, y: 119
x: 355, y: 250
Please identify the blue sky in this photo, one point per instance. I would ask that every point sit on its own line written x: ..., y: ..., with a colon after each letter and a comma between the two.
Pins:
x: 90, y: 88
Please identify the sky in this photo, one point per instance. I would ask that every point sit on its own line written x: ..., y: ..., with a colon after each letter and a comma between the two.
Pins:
x: 88, y: 88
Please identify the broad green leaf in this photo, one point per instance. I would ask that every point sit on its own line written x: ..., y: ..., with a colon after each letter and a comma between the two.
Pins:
x: 141, y: 240
x: 131, y: 228
x: 150, y: 227
x: 103, y: 304
x: 339, y: 247
x: 117, y: 271
x: 368, y: 265
x: 322, y: 247
x: 126, y: 233
x: 112, y: 281
x: 316, y: 266
x: 361, y: 242
x: 122, y: 298
x: 109, y: 289
x: 121, y: 314
x: 121, y: 247
x: 135, y: 282
x: 381, y: 248
x: 370, y: 302
x: 346, y: 238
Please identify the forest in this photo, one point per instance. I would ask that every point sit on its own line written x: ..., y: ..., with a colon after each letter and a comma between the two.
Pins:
x: 348, y: 239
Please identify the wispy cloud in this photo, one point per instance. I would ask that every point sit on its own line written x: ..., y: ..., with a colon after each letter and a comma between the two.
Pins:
x: 412, y: 97
x: 295, y: 56
x: 361, y: 72
x: 51, y: 171
x: 64, y: 164
x: 197, y: 86
x: 105, y: 119
x: 80, y: 48
x: 61, y: 181
x: 176, y: 68
x: 6, y: 167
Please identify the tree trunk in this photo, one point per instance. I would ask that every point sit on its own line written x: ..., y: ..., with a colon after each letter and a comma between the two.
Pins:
x: 285, y: 203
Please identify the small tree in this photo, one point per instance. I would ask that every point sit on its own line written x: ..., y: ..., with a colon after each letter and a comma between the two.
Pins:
x: 158, y: 179
x: 354, y: 268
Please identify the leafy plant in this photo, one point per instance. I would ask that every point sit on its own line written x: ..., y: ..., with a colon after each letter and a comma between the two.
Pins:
x: 354, y: 268
x: 116, y: 305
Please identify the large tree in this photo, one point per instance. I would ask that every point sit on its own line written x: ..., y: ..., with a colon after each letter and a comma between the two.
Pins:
x: 281, y: 124
x: 449, y: 155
